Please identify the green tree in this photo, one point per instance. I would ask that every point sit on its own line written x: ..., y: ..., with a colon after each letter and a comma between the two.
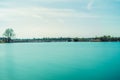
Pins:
x: 106, y: 38
x: 9, y: 33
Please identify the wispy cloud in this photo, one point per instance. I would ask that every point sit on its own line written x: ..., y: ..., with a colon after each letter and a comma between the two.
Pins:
x: 90, y: 5
x: 57, y: 0
x: 38, y: 12
x: 44, y: 20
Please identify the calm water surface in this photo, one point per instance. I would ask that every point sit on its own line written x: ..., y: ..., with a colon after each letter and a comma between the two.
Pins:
x: 60, y: 61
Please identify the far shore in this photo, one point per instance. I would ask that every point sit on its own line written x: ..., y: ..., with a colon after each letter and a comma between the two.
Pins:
x: 62, y: 39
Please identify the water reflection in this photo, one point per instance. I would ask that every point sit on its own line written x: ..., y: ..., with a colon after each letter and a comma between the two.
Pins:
x: 9, y: 62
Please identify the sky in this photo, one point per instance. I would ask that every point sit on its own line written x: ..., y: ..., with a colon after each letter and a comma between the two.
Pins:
x: 60, y: 18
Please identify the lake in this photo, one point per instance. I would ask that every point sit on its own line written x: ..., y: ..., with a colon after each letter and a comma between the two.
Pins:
x: 60, y: 61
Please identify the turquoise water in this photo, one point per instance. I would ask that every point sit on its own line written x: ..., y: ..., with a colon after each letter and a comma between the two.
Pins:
x: 60, y: 61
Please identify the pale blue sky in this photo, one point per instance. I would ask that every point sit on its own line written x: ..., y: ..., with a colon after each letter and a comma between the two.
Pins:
x: 56, y: 18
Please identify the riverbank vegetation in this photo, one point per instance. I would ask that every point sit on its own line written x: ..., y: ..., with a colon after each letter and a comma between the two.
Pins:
x: 9, y: 34
x: 96, y: 39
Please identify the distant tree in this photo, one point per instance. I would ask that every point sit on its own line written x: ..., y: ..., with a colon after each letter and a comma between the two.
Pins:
x: 9, y: 33
x: 76, y: 39
x: 105, y: 38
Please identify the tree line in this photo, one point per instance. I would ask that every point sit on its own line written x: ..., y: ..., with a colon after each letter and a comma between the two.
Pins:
x: 9, y: 34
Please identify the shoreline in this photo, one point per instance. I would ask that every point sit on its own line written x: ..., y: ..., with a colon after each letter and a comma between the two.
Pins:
x: 61, y: 39
x: 64, y: 42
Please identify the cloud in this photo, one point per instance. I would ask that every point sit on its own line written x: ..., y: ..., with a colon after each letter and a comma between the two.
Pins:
x: 40, y: 12
x: 44, y: 1
x: 90, y: 4
x: 57, y: 0
x: 43, y: 20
